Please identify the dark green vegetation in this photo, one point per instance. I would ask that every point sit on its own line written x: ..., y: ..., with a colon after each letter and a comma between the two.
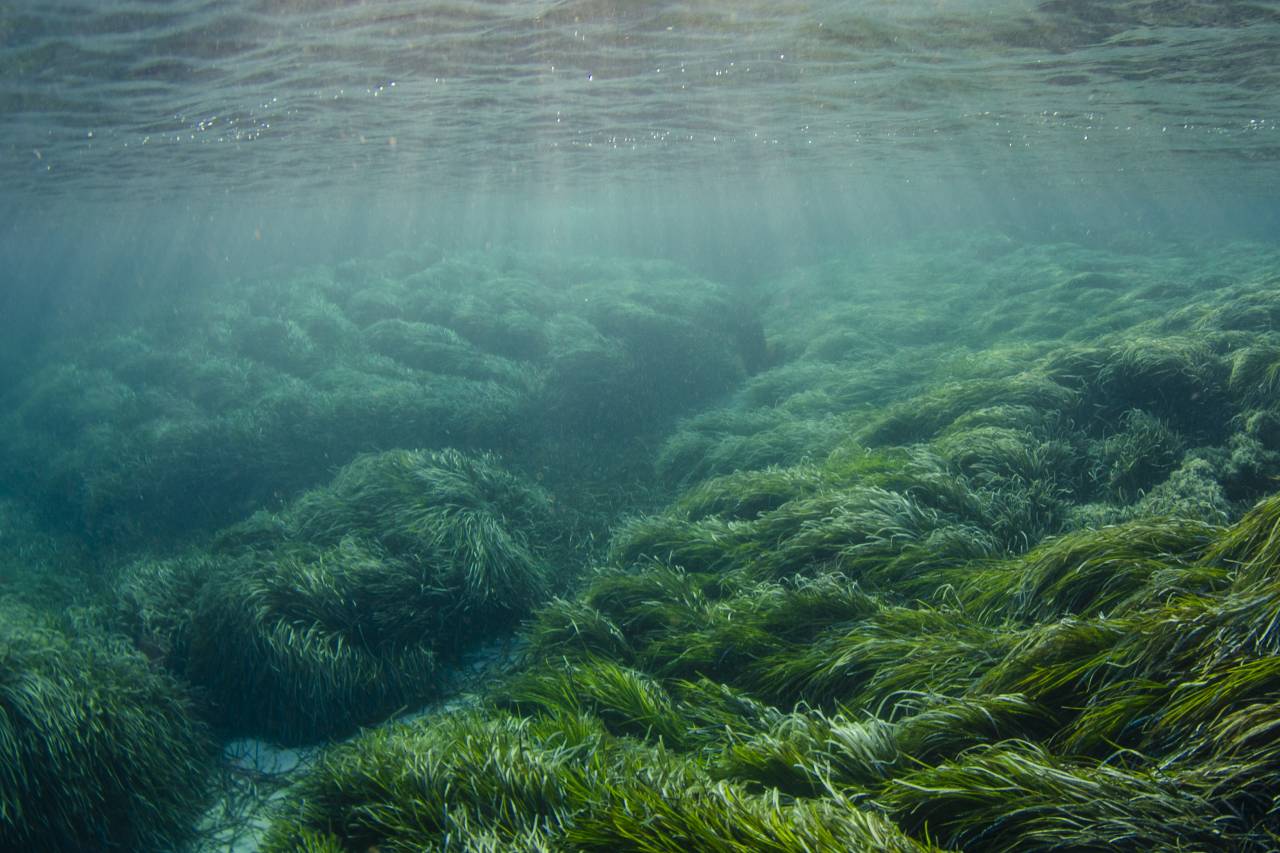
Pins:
x: 96, y: 746
x: 341, y: 609
x: 980, y: 550
x: 1087, y: 386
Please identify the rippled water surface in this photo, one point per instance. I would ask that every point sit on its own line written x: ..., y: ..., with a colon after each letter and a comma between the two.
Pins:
x: 158, y: 98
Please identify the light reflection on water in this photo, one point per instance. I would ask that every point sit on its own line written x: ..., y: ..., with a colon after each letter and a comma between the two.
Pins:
x: 301, y: 95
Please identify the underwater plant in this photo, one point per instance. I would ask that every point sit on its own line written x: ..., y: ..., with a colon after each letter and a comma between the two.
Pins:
x: 340, y: 610
x: 1090, y: 572
x: 972, y: 548
x: 97, y: 748
x: 1016, y: 796
x: 489, y: 778
x: 872, y: 663
x: 462, y: 517
x: 980, y: 587
x: 287, y: 651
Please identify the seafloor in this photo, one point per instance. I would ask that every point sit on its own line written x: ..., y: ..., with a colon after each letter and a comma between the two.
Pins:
x: 963, y: 543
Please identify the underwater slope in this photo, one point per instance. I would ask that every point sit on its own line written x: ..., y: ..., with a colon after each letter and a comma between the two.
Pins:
x: 991, y: 570
x: 1010, y: 610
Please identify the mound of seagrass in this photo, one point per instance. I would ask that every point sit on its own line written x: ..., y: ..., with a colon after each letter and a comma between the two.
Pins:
x: 340, y: 610
x: 98, y: 749
x: 491, y: 781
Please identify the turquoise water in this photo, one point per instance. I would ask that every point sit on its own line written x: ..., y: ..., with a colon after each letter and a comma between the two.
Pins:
x: 740, y: 413
x: 325, y: 128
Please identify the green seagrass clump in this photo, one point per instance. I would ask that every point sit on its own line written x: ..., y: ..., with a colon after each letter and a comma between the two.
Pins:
x: 1016, y: 796
x: 341, y: 609
x: 472, y: 528
x: 98, y: 748
x: 489, y: 780
x: 805, y: 520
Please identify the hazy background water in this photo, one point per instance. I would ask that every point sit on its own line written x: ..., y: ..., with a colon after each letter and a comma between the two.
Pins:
x: 150, y: 145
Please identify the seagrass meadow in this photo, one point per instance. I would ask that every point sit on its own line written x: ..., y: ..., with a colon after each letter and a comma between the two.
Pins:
x: 965, y: 543
x: 680, y: 426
